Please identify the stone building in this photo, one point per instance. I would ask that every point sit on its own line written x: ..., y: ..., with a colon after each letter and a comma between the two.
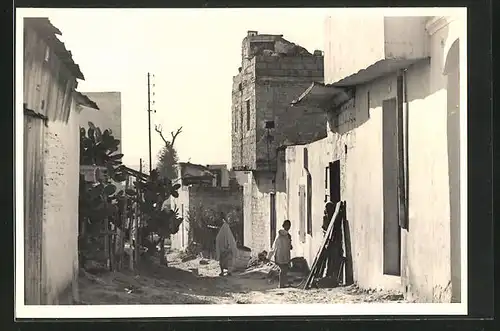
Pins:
x: 392, y: 153
x: 273, y: 71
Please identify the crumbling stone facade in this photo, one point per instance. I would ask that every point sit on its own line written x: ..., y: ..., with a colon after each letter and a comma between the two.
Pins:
x: 274, y: 72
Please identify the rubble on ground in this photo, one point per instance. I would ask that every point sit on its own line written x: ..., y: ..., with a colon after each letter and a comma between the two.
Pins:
x: 258, y: 260
x: 179, y: 283
x: 273, y: 274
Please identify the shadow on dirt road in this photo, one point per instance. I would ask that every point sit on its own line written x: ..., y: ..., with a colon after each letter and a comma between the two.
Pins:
x: 191, y: 282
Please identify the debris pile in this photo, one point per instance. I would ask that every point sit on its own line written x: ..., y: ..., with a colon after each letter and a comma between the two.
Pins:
x: 296, y: 274
x: 258, y: 260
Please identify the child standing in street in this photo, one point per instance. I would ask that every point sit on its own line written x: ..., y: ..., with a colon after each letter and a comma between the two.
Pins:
x: 281, y: 251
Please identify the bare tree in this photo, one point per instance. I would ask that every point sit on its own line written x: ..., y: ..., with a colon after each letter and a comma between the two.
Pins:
x: 166, y: 168
x: 167, y: 155
x: 158, y: 129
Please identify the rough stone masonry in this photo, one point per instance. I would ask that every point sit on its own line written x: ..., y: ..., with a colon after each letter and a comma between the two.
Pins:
x: 273, y: 73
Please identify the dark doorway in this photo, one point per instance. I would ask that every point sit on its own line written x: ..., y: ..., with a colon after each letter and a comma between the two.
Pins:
x: 218, y: 177
x: 334, y: 173
x: 392, y: 232
x: 272, y: 214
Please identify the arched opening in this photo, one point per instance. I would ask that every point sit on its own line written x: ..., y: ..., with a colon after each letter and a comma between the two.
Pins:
x: 452, y: 72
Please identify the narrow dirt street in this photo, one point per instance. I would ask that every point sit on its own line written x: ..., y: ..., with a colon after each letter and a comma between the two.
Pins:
x: 178, y: 284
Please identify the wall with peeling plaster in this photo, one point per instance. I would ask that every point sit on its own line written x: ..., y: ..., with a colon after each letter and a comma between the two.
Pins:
x: 269, y: 83
x: 60, y: 210
x: 263, y: 91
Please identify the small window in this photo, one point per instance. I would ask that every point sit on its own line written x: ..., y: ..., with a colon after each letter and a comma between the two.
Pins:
x: 241, y: 119
x: 240, y: 87
x: 248, y: 114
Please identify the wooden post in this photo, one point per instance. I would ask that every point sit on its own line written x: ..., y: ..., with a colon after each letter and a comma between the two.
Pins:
x: 163, y: 260
x: 348, y: 272
x: 341, y: 244
x: 137, y: 236
x: 121, y: 230
x: 138, y: 226
x: 106, y: 243
x: 133, y: 234
x: 112, y: 250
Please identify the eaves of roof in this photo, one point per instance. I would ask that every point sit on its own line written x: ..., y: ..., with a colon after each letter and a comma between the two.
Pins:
x: 49, y: 33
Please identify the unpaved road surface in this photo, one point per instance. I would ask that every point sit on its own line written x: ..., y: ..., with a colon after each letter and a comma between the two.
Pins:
x: 177, y: 284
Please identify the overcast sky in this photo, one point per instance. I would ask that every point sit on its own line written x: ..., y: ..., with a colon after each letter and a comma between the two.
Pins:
x: 193, y: 54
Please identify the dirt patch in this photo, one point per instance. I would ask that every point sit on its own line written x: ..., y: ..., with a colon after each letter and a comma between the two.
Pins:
x: 192, y: 282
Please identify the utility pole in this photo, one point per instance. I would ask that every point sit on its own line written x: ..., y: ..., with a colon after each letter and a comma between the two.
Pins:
x: 149, y: 121
x: 138, y: 225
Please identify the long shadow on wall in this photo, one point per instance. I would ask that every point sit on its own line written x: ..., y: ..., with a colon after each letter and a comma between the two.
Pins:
x: 452, y: 71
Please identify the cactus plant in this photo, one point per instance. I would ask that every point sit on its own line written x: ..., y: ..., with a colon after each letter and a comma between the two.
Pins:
x: 99, y: 202
x: 151, y: 195
x: 98, y: 148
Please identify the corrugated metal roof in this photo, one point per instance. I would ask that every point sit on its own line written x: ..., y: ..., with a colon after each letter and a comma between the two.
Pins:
x: 48, y: 32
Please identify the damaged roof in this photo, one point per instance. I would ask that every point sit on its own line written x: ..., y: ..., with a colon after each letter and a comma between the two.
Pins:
x: 49, y: 32
x: 321, y: 95
x: 85, y: 100
x: 380, y: 68
x: 327, y: 95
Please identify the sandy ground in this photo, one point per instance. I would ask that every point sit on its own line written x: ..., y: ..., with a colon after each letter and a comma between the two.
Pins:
x: 178, y: 284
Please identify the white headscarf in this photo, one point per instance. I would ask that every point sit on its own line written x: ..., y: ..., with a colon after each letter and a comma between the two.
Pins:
x: 225, y: 241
